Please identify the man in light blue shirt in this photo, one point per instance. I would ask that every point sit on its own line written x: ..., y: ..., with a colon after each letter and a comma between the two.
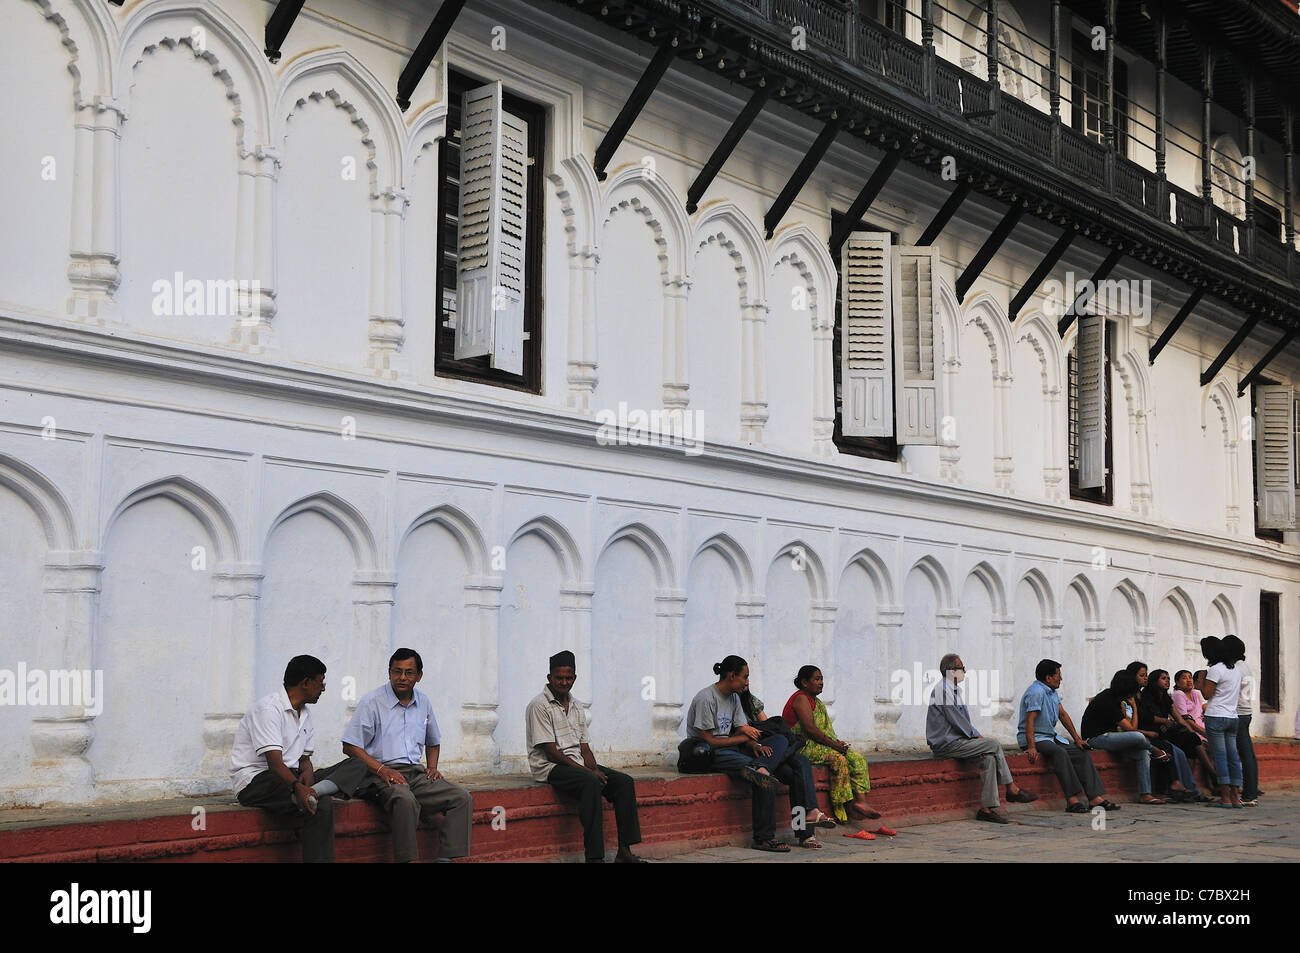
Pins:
x: 1040, y: 708
x: 393, y: 730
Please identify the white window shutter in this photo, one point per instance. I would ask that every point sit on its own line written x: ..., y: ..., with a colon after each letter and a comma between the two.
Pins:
x: 866, y: 349
x: 916, y: 378
x: 1092, y: 400
x: 1274, y: 457
x: 493, y: 226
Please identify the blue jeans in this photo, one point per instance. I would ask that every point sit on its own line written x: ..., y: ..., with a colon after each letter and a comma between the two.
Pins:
x: 1221, y: 733
x: 1132, y: 744
x: 763, y: 805
x: 1249, y: 766
x: 1180, y: 766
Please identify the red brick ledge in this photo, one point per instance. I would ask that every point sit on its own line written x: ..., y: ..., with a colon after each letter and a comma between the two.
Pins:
x: 677, y: 812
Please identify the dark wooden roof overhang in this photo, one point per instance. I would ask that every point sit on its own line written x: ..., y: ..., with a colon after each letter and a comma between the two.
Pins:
x: 733, y: 40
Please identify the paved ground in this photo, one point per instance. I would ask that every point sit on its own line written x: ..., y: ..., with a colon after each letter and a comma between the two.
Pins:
x: 1138, y: 833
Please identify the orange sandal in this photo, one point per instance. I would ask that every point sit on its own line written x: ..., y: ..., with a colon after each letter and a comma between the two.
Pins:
x: 861, y: 835
x: 882, y: 829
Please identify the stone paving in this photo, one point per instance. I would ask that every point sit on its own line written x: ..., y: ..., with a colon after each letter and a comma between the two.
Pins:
x: 1269, y: 833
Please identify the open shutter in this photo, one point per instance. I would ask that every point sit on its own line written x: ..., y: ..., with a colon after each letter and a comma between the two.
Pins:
x: 1274, y: 457
x: 916, y: 380
x: 493, y: 223
x: 1092, y: 400
x: 865, y: 340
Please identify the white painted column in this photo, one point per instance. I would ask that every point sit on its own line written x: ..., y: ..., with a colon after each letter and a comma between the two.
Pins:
x: 61, y: 736
x: 368, y: 644
x: 822, y: 624
x: 1232, y: 510
x: 582, y: 376
x: 889, y: 646
x: 949, y: 449
x: 1003, y: 462
x: 670, y: 619
x: 236, y: 589
x: 575, y: 629
x: 676, y: 380
x: 753, y: 372
x: 1055, y: 467
x: 93, y: 267
x: 387, y: 324
x: 823, y: 422
x: 255, y: 250
x: 1006, y: 711
x: 478, y: 710
x: 1140, y: 463
x: 749, y: 616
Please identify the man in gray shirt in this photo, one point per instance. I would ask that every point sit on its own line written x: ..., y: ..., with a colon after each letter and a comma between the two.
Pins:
x: 950, y: 734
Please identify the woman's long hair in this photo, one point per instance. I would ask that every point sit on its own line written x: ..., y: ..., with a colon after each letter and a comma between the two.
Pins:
x: 1231, y: 651
x: 1155, y: 696
x: 747, y: 705
x: 1212, y: 649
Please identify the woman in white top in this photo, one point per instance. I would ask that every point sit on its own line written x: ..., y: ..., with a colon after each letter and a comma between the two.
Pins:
x: 1234, y: 648
x: 1222, y: 691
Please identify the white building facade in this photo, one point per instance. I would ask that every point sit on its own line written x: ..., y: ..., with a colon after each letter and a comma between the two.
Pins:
x: 233, y: 428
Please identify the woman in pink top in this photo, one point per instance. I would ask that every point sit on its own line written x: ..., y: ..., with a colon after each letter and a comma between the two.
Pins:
x: 1188, y: 702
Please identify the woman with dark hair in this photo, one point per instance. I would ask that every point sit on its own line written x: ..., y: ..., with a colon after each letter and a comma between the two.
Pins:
x: 807, y: 715
x: 1236, y: 649
x: 1189, y: 703
x: 1157, y: 712
x: 795, y: 771
x: 1109, y: 724
x: 1152, y: 721
x: 1222, y: 691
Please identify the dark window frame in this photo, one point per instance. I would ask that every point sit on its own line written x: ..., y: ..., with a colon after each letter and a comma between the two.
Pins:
x: 1270, y: 648
x: 1104, y: 495
x: 875, y: 448
x: 479, y: 369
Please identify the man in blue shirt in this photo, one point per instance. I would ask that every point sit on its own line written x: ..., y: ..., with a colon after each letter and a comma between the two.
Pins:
x: 950, y: 734
x: 1040, y: 707
x: 392, y: 730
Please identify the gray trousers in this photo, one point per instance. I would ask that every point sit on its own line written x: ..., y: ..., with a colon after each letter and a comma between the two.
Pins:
x: 993, y: 764
x: 404, y: 803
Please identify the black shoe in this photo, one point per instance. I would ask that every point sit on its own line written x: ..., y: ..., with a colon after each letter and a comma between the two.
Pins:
x: 993, y: 817
x: 758, y: 779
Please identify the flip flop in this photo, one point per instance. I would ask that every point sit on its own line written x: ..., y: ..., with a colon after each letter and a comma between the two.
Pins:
x: 811, y: 843
x: 882, y: 829
x: 863, y: 835
x: 772, y: 846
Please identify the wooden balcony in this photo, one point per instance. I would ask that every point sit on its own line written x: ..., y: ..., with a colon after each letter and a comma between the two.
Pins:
x: 901, y: 90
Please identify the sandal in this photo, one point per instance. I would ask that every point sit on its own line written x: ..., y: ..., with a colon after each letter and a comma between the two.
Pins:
x: 1108, y: 806
x: 861, y: 835
x: 1078, y: 808
x: 823, y: 820
x: 1153, y: 800
x: 771, y: 846
x: 812, y: 843
x: 882, y: 829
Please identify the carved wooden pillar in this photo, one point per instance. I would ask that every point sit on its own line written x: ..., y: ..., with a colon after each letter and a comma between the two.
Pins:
x: 1207, y: 93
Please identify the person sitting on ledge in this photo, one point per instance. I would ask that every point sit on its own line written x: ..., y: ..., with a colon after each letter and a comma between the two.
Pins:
x: 717, y: 718
x: 807, y: 715
x: 795, y: 772
x: 1155, y: 720
x: 392, y: 729
x: 1110, y: 724
x: 558, y: 754
x: 950, y: 734
x: 1040, y: 707
x: 270, y: 761
x: 1189, y: 702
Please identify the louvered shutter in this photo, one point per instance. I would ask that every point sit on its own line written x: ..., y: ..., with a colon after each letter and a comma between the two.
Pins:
x: 1091, y: 345
x: 1274, y: 457
x: 866, y: 354
x: 493, y: 225
x: 916, y: 381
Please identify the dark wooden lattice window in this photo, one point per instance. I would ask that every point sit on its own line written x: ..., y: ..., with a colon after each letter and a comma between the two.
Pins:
x: 1102, y: 494
x: 1270, y: 659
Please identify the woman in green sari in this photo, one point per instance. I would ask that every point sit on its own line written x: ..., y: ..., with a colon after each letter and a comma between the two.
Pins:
x: 806, y: 714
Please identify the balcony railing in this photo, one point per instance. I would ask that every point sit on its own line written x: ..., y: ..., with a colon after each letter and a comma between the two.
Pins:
x: 835, y: 28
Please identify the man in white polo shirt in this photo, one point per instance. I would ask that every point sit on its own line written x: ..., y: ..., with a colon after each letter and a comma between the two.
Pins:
x: 270, y: 762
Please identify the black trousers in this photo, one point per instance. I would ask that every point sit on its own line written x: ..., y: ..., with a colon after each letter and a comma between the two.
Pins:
x: 316, y: 831
x: 1073, y: 768
x: 619, y: 791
